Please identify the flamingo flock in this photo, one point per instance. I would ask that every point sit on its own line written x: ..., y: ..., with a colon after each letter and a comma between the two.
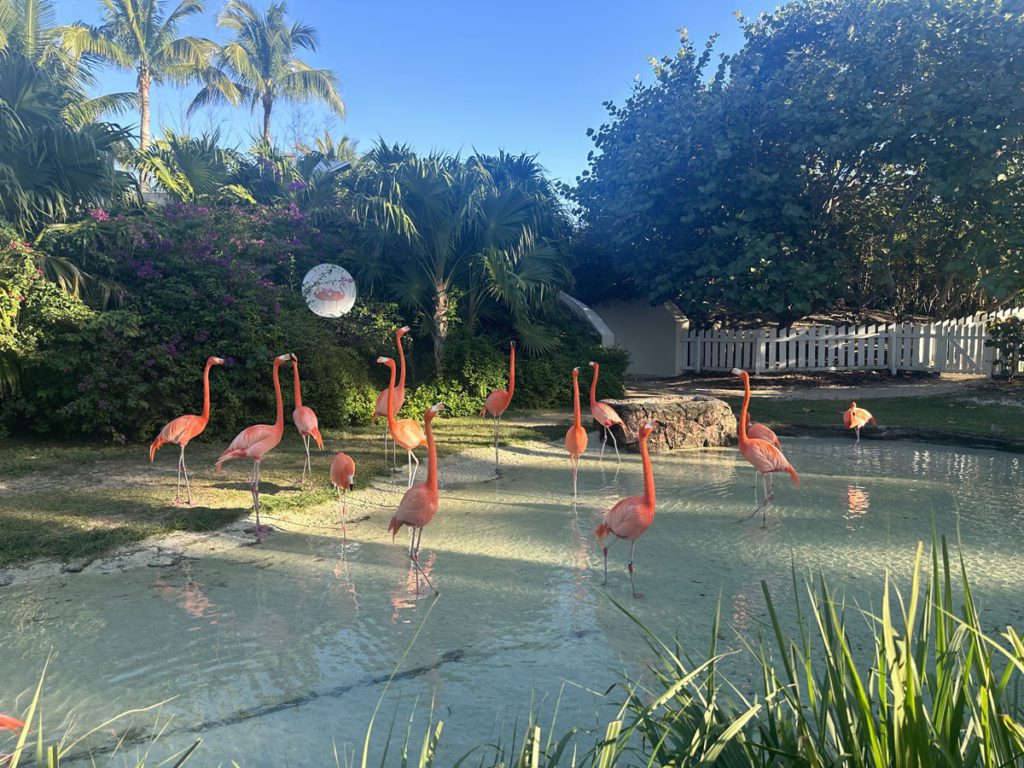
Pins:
x: 628, y: 519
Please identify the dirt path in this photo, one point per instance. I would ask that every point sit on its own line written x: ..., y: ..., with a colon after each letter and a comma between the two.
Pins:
x: 852, y: 385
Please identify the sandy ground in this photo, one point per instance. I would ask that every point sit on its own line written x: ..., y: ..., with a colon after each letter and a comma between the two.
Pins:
x: 852, y: 385
x: 380, y: 497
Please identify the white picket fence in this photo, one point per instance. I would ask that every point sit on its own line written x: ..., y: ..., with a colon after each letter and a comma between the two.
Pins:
x: 950, y: 346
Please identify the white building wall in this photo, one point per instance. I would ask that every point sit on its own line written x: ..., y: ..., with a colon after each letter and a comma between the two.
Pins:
x: 649, y: 334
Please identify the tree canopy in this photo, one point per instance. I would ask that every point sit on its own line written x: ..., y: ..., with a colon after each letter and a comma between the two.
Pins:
x: 853, y: 151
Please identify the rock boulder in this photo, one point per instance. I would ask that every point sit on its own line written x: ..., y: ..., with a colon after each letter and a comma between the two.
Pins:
x: 688, y: 421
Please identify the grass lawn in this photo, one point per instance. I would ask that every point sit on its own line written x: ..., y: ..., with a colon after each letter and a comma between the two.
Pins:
x: 72, y: 501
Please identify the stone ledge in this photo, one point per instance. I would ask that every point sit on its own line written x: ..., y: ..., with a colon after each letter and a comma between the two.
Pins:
x: 688, y: 421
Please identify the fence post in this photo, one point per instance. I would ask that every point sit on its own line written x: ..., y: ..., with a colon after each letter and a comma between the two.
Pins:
x: 759, y: 343
x: 892, y: 348
x: 697, y: 337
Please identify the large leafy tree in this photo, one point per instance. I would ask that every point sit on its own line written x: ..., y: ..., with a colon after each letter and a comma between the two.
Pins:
x: 462, y: 240
x: 853, y: 150
x: 141, y: 35
x: 259, y: 64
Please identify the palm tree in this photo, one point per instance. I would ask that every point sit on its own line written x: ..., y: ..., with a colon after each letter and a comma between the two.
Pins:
x: 259, y: 64
x: 459, y: 231
x: 140, y: 35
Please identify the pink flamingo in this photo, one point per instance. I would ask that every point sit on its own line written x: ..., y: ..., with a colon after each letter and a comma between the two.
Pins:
x: 405, y: 432
x: 256, y: 441
x: 761, y: 432
x: 854, y: 418
x: 633, y: 515
x: 604, y: 415
x: 8, y: 723
x: 419, y: 504
x: 305, y: 421
x: 380, y: 410
x: 343, y: 477
x: 576, y: 435
x: 182, y: 429
x: 498, y: 401
x: 761, y: 454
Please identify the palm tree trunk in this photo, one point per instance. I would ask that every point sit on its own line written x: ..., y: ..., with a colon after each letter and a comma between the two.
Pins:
x: 441, y: 309
x: 268, y: 105
x: 145, y: 80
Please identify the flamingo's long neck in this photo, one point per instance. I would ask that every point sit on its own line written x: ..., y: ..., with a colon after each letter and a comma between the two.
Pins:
x: 576, y: 418
x: 206, y: 393
x: 401, y: 361
x: 743, y: 411
x: 593, y: 387
x: 279, y: 424
x: 512, y: 373
x: 648, y: 476
x: 298, y: 386
x: 391, y: 398
x: 431, y: 458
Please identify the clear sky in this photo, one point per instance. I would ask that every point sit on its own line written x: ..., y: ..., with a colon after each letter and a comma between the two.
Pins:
x: 458, y: 75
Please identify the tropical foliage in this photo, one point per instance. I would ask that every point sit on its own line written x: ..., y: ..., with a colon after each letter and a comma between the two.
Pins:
x: 862, y: 152
x: 259, y: 64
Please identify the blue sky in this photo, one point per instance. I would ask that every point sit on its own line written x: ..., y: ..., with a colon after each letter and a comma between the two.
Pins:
x: 457, y: 75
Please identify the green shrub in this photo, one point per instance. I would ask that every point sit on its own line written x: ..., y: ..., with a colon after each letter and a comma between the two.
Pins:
x: 1007, y: 336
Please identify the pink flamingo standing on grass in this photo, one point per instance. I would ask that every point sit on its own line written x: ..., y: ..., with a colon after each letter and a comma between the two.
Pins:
x: 343, y: 478
x: 419, y: 504
x: 605, y: 415
x: 305, y: 421
x: 634, y: 514
x: 498, y: 401
x: 761, y: 454
x: 182, y: 429
x: 576, y: 435
x: 405, y: 432
x: 256, y: 441
x: 854, y: 418
x: 380, y: 410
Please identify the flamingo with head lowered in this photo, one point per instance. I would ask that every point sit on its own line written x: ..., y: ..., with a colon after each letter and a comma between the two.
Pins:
x: 576, y: 435
x: 405, y: 432
x: 305, y: 420
x: 761, y: 454
x: 380, y: 410
x: 605, y: 415
x: 629, y: 518
x: 343, y: 478
x: 182, y: 429
x: 419, y: 504
x: 498, y: 401
x: 256, y: 441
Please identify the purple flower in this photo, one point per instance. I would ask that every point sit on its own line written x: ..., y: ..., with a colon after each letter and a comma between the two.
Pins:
x: 228, y: 300
x: 202, y: 336
x: 98, y: 214
x: 103, y: 404
x: 229, y: 360
x: 151, y: 362
x: 297, y: 185
x: 277, y: 308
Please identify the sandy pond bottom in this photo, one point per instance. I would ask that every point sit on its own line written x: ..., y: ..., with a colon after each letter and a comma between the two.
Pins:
x: 275, y: 651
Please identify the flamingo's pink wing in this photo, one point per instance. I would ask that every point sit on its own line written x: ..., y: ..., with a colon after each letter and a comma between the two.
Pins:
x: 182, y: 429
x: 848, y: 418
x: 497, y: 402
x: 305, y: 420
x: 629, y: 518
x: 417, y: 507
x: 409, y: 434
x: 604, y: 414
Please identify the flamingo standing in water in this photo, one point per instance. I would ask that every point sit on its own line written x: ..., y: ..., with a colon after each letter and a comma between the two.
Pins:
x: 256, y: 441
x: 604, y: 415
x: 419, y: 504
x: 182, y: 429
x: 498, y: 401
x: 634, y: 514
x: 761, y: 454
x: 854, y: 418
x: 343, y: 478
x: 305, y: 421
x: 380, y: 410
x: 576, y: 435
x: 405, y: 432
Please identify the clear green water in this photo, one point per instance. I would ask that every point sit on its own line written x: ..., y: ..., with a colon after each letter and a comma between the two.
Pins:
x: 276, y: 650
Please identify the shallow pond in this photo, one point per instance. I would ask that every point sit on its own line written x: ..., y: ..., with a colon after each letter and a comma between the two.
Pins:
x: 275, y: 651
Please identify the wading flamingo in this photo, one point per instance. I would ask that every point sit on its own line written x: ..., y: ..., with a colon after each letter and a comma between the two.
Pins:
x: 604, y: 415
x: 183, y: 429
x: 499, y: 399
x: 419, y: 504
x: 305, y: 421
x: 254, y: 442
x: 8, y: 723
x: 634, y: 514
x: 761, y: 432
x: 761, y: 454
x: 405, y: 432
x: 380, y: 410
x: 576, y: 435
x: 854, y: 418
x: 343, y: 478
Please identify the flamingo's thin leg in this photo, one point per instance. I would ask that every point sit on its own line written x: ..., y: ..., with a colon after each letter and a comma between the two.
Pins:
x: 632, y: 547
x: 496, y: 462
x: 605, y: 567
x: 604, y: 441
x: 177, y: 487
x: 615, y: 442
x: 184, y: 471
